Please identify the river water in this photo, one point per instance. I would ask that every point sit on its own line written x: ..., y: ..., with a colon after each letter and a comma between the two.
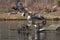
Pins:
x: 8, y: 31
x: 13, y: 35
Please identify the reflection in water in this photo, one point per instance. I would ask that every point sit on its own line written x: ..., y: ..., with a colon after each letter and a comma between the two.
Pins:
x: 52, y: 35
x: 41, y: 35
x: 7, y: 34
x: 49, y: 35
x: 44, y: 35
x: 58, y: 35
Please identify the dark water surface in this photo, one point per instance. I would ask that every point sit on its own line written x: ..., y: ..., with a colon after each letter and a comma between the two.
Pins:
x: 13, y: 35
x: 7, y: 34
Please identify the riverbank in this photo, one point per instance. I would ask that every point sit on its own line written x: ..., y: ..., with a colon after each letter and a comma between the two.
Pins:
x: 48, y: 16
